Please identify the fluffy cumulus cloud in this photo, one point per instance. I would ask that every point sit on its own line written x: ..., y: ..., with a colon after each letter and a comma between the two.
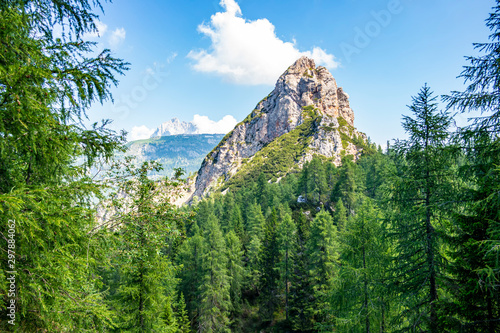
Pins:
x: 117, y: 37
x: 207, y: 126
x: 139, y: 133
x: 248, y: 52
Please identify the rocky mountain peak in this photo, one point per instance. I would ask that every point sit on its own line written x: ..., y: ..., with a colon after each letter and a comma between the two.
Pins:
x: 305, y: 100
x: 174, y: 127
x: 302, y: 64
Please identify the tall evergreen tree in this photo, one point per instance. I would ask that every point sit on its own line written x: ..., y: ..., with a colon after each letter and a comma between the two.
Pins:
x: 182, y: 315
x: 420, y: 196
x: 255, y: 222
x: 46, y: 87
x: 215, y: 301
x: 475, y: 242
x: 235, y: 270
x: 358, y: 295
x: 317, y: 181
x: 190, y: 259
x: 142, y: 262
x: 270, y: 276
x: 340, y: 215
x: 322, y: 252
x: 300, y: 286
x: 286, y: 245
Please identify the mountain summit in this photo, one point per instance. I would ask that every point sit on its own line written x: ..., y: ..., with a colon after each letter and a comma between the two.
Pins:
x: 174, y: 127
x: 306, y: 114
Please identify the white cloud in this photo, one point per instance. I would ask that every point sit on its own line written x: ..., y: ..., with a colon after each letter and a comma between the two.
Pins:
x: 248, y: 52
x: 139, y: 133
x: 117, y: 37
x: 101, y: 30
x: 205, y: 125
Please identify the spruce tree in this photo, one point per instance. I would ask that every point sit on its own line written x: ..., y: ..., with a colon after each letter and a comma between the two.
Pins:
x: 182, y: 315
x: 322, y: 252
x: 47, y: 87
x: 270, y: 276
x: 235, y: 270
x: 300, y: 288
x: 420, y: 196
x: 142, y: 262
x: 286, y: 245
x: 190, y: 259
x: 358, y: 293
x: 474, y: 250
x: 255, y: 222
x: 340, y: 215
x: 215, y: 301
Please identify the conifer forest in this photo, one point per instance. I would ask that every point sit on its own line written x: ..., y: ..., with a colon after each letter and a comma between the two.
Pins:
x: 403, y: 238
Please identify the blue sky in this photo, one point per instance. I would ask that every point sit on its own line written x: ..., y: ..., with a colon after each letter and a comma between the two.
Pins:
x: 206, y: 60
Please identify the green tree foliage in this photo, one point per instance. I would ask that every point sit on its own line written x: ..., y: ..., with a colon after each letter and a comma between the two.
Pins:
x: 420, y: 195
x: 269, y: 275
x: 340, y: 215
x: 359, y: 290
x: 286, y: 237
x: 255, y: 221
x: 148, y: 220
x: 322, y: 252
x: 215, y: 301
x: 475, y: 268
x: 347, y: 187
x: 182, y: 315
x: 235, y: 270
x: 190, y: 259
x: 46, y: 86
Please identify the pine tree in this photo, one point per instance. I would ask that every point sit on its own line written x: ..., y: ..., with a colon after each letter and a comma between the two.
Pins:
x: 322, y: 252
x: 340, y: 215
x: 182, y: 315
x: 475, y: 265
x: 227, y: 216
x: 262, y: 192
x: 286, y: 244
x: 215, y: 301
x: 255, y: 222
x: 47, y: 86
x: 300, y: 286
x: 236, y: 221
x: 270, y: 276
x: 317, y: 181
x: 235, y: 270
x: 142, y: 262
x: 171, y: 325
x: 190, y: 258
x: 420, y: 195
x: 357, y: 297
x: 254, y: 264
x: 347, y: 186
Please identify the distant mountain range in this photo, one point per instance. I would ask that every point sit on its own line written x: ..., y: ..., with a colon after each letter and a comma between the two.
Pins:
x: 185, y: 151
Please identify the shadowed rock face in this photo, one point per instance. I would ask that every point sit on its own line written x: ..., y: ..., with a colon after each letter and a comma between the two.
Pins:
x: 302, y: 85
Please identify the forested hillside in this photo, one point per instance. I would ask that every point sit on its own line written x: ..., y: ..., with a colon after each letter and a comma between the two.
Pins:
x: 402, y: 239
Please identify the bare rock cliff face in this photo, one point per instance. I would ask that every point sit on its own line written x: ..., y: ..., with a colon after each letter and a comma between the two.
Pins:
x: 302, y: 89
